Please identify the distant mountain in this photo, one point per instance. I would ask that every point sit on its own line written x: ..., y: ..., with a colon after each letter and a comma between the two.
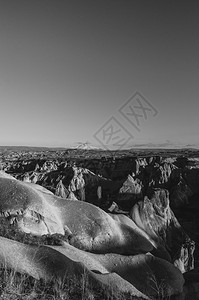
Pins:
x: 86, y: 146
x: 153, y: 145
x: 165, y: 145
x: 28, y: 148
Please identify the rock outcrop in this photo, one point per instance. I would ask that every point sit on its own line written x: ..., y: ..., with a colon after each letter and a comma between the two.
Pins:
x: 130, y: 192
x: 142, y: 275
x: 63, y: 192
x: 155, y: 217
x: 89, y: 228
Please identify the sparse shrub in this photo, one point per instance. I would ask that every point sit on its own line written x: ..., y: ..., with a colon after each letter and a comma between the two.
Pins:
x: 16, y: 286
x: 160, y: 288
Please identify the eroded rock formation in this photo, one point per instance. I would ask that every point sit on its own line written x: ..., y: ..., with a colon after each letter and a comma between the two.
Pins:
x: 156, y: 218
x: 125, y: 248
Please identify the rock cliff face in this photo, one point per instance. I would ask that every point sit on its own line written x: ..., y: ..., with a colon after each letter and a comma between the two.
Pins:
x: 156, y: 218
x: 130, y: 192
x: 63, y: 192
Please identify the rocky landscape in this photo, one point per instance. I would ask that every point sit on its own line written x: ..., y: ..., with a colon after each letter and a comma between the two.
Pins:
x: 127, y: 219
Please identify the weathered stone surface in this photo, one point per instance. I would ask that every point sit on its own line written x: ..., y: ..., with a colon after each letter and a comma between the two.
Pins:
x: 141, y: 275
x: 43, y: 213
x: 63, y: 192
x: 155, y: 217
x: 130, y: 191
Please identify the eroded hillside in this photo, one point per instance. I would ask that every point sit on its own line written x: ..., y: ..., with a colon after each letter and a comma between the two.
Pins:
x: 120, y: 214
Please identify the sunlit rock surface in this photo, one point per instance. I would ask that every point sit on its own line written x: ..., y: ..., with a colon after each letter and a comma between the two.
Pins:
x: 90, y: 228
x: 139, y: 275
x: 156, y: 218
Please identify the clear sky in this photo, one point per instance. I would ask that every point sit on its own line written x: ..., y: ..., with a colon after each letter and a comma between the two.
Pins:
x: 67, y: 67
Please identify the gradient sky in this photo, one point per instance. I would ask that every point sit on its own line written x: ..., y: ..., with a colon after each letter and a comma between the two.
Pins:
x: 66, y: 67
